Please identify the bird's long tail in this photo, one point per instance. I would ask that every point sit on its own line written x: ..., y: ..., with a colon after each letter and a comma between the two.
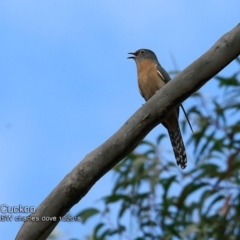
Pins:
x: 178, y: 147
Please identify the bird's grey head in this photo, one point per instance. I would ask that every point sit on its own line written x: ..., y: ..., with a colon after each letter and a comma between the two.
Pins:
x: 143, y: 54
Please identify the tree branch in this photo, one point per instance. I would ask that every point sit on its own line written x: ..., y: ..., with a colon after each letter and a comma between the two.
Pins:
x: 98, y: 162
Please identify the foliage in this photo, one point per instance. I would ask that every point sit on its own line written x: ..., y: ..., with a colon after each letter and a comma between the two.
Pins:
x: 153, y: 199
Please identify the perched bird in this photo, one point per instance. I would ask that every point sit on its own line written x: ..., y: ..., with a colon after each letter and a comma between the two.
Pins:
x: 151, y: 77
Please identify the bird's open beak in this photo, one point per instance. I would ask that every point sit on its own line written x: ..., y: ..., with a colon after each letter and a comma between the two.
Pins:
x: 132, y: 57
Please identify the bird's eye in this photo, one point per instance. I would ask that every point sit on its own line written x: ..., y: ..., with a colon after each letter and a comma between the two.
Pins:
x: 142, y: 51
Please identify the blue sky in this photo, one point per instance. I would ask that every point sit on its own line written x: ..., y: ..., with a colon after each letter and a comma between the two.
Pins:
x: 66, y: 85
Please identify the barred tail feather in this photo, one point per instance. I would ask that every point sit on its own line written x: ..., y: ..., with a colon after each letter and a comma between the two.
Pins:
x: 178, y: 148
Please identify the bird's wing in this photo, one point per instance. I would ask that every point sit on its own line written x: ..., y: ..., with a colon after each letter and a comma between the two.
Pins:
x: 166, y: 78
x: 164, y: 75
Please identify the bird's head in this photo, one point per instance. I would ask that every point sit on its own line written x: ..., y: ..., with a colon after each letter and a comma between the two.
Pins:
x: 143, y: 54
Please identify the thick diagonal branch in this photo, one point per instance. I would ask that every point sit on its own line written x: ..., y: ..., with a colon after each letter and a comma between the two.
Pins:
x: 80, y: 180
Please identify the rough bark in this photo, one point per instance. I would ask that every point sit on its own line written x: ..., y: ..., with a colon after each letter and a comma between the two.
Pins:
x: 98, y: 162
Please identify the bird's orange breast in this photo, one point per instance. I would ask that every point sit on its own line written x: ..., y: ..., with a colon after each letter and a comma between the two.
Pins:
x: 149, y: 80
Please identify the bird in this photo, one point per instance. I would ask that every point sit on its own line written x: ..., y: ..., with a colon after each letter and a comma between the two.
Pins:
x: 152, y: 77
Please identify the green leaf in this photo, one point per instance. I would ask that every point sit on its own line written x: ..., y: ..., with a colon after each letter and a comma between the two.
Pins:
x: 117, y: 197
x: 215, y: 200
x: 188, y: 190
x: 87, y: 213
x: 166, y: 183
x: 160, y: 138
x: 205, y: 145
x: 232, y: 81
x: 97, y: 229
